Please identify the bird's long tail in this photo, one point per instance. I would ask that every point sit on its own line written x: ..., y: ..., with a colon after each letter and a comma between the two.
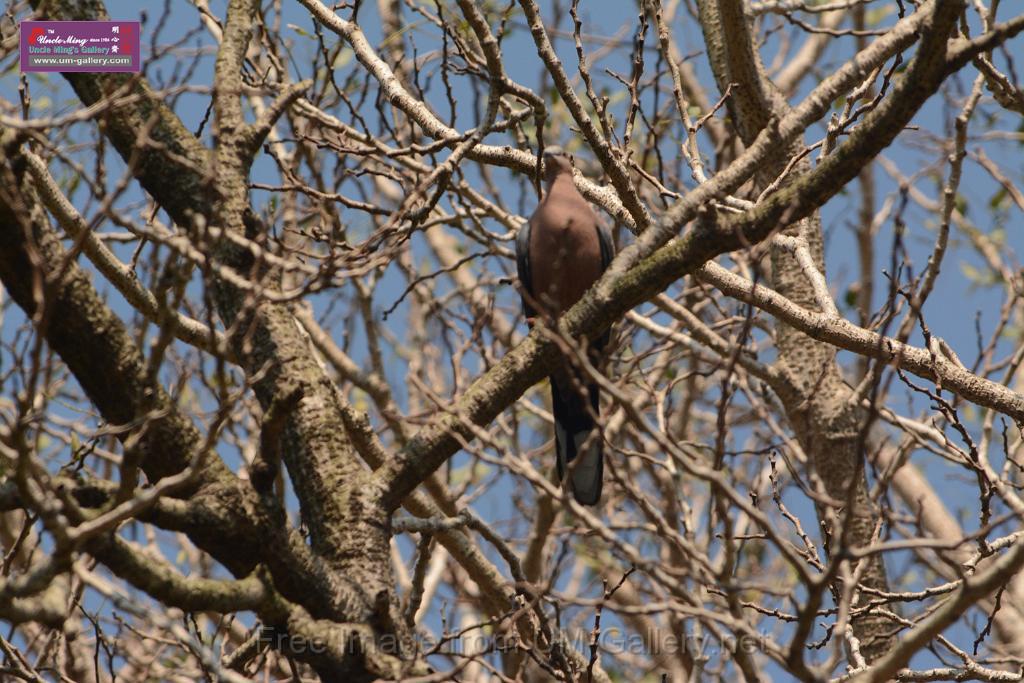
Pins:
x: 574, y: 436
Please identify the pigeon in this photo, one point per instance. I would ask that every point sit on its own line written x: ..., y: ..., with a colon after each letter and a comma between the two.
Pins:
x: 560, y: 253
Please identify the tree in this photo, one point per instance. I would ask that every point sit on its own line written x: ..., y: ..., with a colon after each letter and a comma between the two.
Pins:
x: 269, y: 410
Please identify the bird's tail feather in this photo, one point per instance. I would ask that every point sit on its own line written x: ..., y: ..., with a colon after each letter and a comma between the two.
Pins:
x: 574, y: 436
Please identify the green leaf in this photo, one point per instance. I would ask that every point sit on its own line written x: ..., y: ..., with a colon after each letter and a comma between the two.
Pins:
x: 999, y: 199
x: 961, y: 204
x: 874, y: 17
x: 359, y: 400
x: 343, y: 59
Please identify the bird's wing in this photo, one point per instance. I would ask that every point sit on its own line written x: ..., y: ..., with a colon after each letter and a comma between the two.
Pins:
x: 523, y: 266
x: 604, y: 236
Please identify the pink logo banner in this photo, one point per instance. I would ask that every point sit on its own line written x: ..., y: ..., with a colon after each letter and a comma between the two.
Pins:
x: 80, y: 46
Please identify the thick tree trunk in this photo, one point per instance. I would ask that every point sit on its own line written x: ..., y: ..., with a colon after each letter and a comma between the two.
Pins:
x: 828, y: 425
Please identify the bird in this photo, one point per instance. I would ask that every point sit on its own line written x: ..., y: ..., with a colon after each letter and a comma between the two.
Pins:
x: 560, y: 252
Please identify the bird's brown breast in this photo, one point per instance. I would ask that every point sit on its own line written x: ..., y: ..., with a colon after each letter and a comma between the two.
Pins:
x: 565, y: 252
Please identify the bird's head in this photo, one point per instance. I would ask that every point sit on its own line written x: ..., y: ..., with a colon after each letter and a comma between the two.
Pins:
x: 556, y: 162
